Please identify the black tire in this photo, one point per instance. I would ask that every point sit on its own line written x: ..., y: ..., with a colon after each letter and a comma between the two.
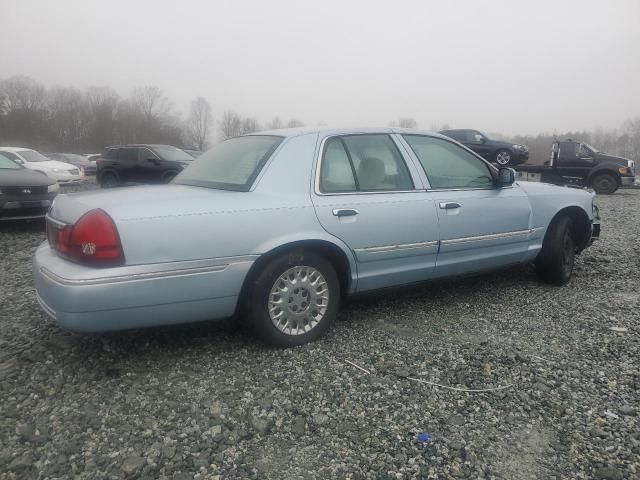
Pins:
x: 109, y: 180
x: 260, y: 295
x: 604, y: 184
x: 555, y: 262
x: 504, y: 157
x: 168, y: 176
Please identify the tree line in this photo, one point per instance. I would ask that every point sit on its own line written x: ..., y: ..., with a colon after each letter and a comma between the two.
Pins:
x: 68, y: 119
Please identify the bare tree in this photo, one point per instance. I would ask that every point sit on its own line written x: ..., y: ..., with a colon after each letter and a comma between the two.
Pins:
x: 23, y: 104
x: 274, y: 124
x: 230, y: 125
x: 151, y: 101
x: 103, y: 105
x: 249, y: 125
x: 295, y: 123
x: 199, y: 123
x: 68, y: 114
x: 407, y: 123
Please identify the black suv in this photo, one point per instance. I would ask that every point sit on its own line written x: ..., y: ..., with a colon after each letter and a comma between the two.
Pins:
x: 502, y: 153
x: 140, y: 164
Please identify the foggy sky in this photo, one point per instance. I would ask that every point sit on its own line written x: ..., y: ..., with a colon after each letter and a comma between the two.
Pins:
x: 499, y: 66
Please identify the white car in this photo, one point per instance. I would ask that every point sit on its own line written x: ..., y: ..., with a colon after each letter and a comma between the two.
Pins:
x: 59, y: 171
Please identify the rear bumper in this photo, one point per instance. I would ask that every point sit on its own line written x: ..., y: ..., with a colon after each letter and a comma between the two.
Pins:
x: 87, y: 299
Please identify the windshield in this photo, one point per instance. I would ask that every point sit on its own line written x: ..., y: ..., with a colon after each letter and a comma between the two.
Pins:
x: 7, y: 163
x: 230, y: 165
x: 173, y: 154
x: 32, y: 156
x: 593, y: 149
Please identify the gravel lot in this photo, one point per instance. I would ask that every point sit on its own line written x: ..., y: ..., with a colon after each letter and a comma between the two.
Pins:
x: 209, y: 402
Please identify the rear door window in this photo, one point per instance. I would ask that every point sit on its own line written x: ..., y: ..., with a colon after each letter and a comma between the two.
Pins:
x: 128, y: 154
x: 363, y: 163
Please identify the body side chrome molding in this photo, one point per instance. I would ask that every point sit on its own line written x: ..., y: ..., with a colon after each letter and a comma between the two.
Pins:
x: 452, y: 241
x: 403, y: 246
x: 492, y: 236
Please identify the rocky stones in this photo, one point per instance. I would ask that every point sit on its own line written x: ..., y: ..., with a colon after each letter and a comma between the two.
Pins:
x: 132, y: 465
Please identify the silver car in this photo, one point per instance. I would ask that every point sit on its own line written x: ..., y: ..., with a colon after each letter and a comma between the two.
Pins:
x: 279, y: 226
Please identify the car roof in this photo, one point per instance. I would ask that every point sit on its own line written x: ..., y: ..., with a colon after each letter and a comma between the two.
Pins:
x: 141, y: 145
x: 294, y: 132
x: 14, y: 149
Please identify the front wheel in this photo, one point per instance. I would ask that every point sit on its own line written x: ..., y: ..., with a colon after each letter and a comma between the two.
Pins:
x: 555, y: 262
x: 503, y: 158
x: 294, y: 299
x: 604, y: 184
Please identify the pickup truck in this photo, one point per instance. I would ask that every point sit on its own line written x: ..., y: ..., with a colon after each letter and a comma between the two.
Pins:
x: 579, y: 164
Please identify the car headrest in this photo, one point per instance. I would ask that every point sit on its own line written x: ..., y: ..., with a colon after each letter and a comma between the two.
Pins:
x: 371, y: 173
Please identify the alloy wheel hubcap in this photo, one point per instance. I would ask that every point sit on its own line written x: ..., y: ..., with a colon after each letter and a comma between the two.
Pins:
x: 503, y: 158
x: 298, y: 300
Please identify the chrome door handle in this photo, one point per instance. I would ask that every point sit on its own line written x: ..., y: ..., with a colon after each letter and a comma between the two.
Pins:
x: 345, y: 212
x: 449, y: 205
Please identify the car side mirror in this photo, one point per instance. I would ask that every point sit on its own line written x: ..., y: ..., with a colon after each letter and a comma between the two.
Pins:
x: 506, y: 177
x: 19, y: 160
x: 483, y: 140
x: 152, y: 160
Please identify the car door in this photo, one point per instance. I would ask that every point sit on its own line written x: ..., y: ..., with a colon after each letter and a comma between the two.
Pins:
x: 481, y: 226
x: 369, y: 196
x: 149, y: 166
x: 127, y: 164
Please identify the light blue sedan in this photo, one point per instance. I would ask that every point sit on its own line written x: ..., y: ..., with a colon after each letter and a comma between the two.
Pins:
x: 279, y: 226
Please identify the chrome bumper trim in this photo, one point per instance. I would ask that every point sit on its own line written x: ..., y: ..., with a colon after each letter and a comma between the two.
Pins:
x: 132, y: 276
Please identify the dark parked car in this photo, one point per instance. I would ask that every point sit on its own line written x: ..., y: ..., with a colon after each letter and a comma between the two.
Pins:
x: 502, y: 153
x: 140, y: 164
x: 24, y: 193
x: 89, y: 168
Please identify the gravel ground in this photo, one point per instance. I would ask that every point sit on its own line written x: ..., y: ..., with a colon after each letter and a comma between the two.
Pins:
x: 209, y: 402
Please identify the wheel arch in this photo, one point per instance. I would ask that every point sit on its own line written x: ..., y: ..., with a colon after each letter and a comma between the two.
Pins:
x: 581, y: 223
x: 339, y: 256
x: 108, y: 170
x: 604, y: 169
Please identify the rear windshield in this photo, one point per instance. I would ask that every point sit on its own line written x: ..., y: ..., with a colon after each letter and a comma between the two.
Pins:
x: 230, y: 165
x: 32, y: 156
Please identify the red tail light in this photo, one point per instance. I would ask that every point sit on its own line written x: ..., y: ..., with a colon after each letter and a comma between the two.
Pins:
x: 92, y: 240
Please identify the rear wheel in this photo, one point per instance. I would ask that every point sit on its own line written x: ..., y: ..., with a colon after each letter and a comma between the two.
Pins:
x: 604, y: 184
x: 294, y: 299
x: 503, y: 157
x: 109, y: 180
x: 555, y: 262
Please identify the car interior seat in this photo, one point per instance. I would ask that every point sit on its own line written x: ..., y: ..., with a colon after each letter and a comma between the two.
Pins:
x: 371, y: 173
